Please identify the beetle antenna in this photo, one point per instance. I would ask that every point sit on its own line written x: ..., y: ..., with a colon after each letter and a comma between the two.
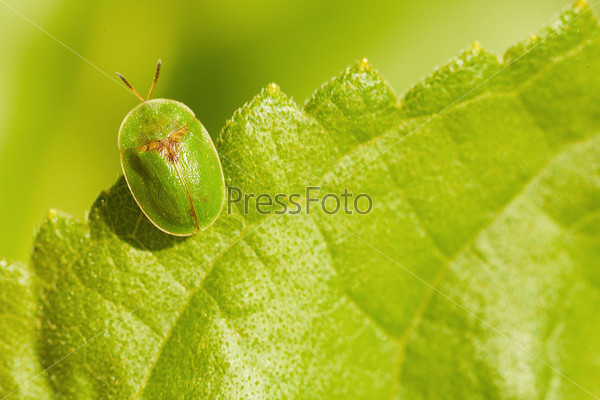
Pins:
x: 130, y: 87
x: 155, y: 79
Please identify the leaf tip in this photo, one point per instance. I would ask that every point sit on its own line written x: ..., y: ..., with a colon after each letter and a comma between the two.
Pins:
x: 364, y: 65
x: 52, y: 214
x: 581, y: 5
x: 476, y: 47
x: 272, y: 89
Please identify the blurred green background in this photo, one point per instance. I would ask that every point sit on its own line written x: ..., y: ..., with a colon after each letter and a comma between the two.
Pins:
x: 59, y: 116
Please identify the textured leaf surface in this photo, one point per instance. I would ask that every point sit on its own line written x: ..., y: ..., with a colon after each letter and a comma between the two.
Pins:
x: 495, y: 203
x: 19, y: 360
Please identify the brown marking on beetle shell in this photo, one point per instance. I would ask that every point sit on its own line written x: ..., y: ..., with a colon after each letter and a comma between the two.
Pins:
x: 167, y: 147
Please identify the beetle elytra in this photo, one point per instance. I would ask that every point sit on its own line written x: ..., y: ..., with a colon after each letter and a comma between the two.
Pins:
x: 171, y: 165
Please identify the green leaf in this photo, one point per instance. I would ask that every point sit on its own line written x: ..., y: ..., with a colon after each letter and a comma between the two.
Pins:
x: 19, y: 360
x: 476, y: 275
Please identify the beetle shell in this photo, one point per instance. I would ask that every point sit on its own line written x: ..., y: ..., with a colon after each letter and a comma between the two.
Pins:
x: 171, y: 167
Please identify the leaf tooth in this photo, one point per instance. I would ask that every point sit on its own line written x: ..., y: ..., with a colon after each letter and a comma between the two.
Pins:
x: 459, y: 79
x: 52, y: 214
x: 273, y: 89
x: 581, y: 5
x: 364, y: 65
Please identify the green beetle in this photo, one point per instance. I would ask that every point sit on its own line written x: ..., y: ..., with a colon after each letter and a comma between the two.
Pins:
x: 171, y: 165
